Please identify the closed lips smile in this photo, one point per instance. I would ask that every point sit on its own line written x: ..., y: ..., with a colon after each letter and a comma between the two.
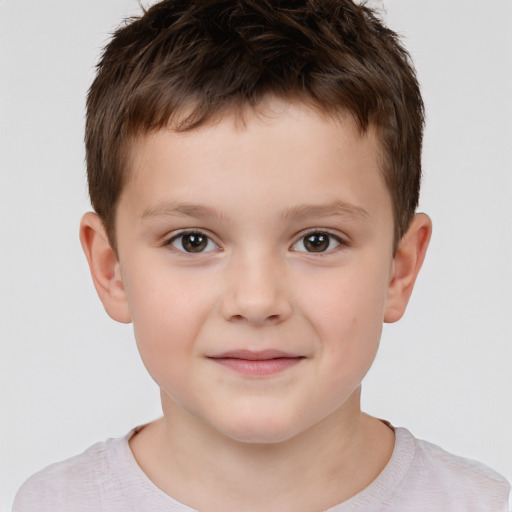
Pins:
x: 266, y: 362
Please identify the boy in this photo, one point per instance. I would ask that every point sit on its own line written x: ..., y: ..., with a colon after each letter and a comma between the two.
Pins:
x: 254, y: 167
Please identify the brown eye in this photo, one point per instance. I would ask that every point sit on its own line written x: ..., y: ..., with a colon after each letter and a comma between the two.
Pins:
x: 193, y: 242
x: 317, y: 241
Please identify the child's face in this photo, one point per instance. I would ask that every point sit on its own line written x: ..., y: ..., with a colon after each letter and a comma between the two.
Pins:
x: 256, y: 262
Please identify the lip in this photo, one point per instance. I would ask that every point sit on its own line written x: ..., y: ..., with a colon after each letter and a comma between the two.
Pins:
x: 257, y: 363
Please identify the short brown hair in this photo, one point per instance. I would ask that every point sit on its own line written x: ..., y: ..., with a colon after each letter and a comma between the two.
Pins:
x: 185, y: 61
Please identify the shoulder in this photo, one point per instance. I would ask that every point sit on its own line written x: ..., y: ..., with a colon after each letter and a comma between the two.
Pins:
x: 106, y: 477
x: 452, y: 482
x: 73, y: 482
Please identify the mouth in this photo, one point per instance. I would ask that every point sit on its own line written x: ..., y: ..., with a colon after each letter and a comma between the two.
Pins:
x: 260, y: 363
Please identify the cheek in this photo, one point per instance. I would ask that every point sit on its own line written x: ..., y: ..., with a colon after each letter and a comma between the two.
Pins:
x: 346, y: 312
x: 168, y: 312
x: 345, y: 301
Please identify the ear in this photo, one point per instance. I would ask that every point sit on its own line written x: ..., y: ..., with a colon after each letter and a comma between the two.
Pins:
x: 406, y: 266
x: 105, y: 268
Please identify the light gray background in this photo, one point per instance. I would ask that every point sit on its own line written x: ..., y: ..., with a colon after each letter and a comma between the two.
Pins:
x: 69, y: 376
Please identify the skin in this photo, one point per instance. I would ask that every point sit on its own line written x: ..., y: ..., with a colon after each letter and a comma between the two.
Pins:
x: 255, y: 192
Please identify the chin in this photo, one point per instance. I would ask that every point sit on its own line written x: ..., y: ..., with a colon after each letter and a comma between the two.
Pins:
x: 261, y: 438
x: 263, y: 430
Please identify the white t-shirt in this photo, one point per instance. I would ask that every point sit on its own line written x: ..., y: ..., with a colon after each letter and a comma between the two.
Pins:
x: 419, y: 477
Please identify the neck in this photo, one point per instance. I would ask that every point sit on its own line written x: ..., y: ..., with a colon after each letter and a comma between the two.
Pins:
x: 333, y: 460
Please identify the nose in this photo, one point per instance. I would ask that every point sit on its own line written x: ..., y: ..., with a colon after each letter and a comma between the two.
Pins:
x: 256, y: 291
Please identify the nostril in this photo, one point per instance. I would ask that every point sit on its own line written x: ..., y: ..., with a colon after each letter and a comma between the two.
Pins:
x: 255, y: 306
x: 270, y: 318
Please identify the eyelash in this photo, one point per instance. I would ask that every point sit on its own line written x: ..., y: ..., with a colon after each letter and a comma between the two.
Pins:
x: 197, y: 232
x: 304, y: 236
x: 330, y: 236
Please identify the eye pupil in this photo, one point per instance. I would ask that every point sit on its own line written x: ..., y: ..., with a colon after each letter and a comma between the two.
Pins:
x: 194, y: 242
x: 316, y: 242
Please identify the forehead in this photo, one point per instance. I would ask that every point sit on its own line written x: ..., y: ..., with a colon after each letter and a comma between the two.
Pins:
x: 279, y: 153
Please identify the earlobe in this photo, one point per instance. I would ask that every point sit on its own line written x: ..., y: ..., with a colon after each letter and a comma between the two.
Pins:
x: 105, y: 268
x: 406, y: 266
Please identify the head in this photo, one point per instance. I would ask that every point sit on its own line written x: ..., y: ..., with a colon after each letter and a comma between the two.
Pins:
x: 255, y: 169
x: 185, y: 63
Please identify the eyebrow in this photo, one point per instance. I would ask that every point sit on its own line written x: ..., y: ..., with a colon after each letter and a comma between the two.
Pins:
x: 336, y: 208
x: 171, y: 209
x: 296, y: 213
